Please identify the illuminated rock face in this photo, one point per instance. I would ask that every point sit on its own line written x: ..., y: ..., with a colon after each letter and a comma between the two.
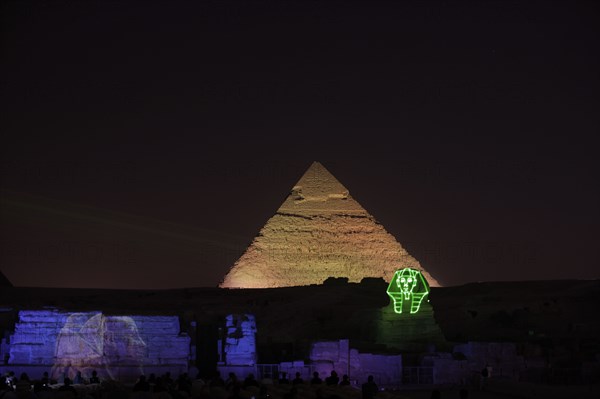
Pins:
x: 319, y: 231
x: 337, y: 355
x: 240, y: 343
x: 72, y: 342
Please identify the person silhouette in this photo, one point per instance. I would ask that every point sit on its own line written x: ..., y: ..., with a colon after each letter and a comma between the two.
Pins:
x: 284, y: 379
x: 231, y: 381
x: 369, y: 388
x: 345, y: 380
x: 333, y: 379
x: 141, y: 385
x: 45, y: 379
x: 167, y: 380
x: 298, y: 379
x: 67, y: 387
x: 23, y: 386
x: 485, y: 374
x: 78, y: 378
x: 217, y: 381
x: 250, y: 381
x: 236, y: 392
x: 263, y: 392
x: 94, y: 378
x: 6, y: 390
x: 159, y: 386
x: 316, y: 380
x: 184, y: 384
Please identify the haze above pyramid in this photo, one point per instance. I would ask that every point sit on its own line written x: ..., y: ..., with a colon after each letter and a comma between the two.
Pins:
x: 319, y: 231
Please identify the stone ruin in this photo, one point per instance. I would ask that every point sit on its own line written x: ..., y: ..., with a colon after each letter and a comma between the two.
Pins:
x: 240, y: 340
x: 120, y: 347
x: 237, y: 348
x: 337, y: 355
x: 319, y: 231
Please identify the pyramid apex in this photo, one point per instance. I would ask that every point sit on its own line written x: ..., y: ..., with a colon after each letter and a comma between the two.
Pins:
x: 315, y: 165
x: 317, y: 191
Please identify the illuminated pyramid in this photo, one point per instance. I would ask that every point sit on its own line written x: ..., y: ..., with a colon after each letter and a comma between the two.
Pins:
x: 320, y: 231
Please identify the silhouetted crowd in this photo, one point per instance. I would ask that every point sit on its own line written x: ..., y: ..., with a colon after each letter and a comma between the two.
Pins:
x: 184, y: 387
x: 165, y: 387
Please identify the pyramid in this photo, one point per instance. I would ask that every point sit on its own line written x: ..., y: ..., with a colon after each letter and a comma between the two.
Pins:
x: 319, y: 231
x: 4, y: 281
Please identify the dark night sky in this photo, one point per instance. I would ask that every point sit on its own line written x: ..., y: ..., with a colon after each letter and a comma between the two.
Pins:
x: 144, y: 144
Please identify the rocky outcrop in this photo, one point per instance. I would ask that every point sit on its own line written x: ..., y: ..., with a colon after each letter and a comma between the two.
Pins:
x: 406, y: 331
x: 319, y: 231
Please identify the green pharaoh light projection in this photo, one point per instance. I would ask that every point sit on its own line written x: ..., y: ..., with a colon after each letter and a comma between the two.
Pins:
x: 410, y: 286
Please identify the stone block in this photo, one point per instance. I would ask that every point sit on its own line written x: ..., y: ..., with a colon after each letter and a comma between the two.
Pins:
x: 337, y: 355
x: 240, y: 342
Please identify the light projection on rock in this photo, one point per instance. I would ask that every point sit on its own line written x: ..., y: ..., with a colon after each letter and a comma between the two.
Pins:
x: 86, y: 343
x: 240, y: 342
x: 407, y: 289
x: 117, y: 347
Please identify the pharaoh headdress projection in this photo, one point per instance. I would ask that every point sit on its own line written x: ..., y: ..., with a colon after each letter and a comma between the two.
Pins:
x: 319, y: 231
x: 408, y: 289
